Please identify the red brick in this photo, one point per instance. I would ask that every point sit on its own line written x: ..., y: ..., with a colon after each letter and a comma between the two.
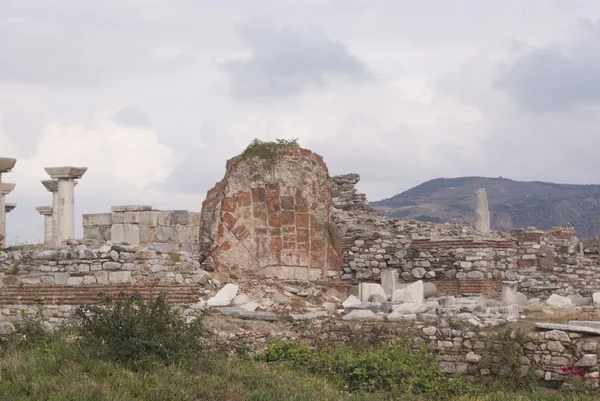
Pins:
x: 274, y: 220
x: 229, y: 204
x: 259, y: 195
x: 287, y: 218
x: 286, y: 191
x: 273, y: 202
x: 260, y: 231
x: 316, y: 259
x: 229, y: 220
x: 276, y: 244
x: 289, y: 245
x: 225, y: 246
x: 287, y: 203
x: 260, y: 215
x: 244, y: 199
x: 275, y: 231
x: 317, y: 245
x: 302, y: 235
x: 301, y: 220
x: 272, y: 187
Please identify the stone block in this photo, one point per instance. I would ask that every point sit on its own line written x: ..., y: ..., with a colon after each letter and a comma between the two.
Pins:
x: 101, y: 277
x: 166, y: 234
x: 96, y: 219
x: 181, y: 217
x: 75, y: 281
x: 120, y: 277
x: 365, y: 290
x: 362, y: 314
x: 149, y: 218
x: 118, y: 217
x: 224, y: 296
x: 411, y: 293
x: 131, y: 217
x: 130, y: 208
x: 558, y: 301
x: 61, y: 278
x: 129, y: 233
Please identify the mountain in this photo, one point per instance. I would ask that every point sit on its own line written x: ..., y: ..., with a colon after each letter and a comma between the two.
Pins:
x: 513, y: 204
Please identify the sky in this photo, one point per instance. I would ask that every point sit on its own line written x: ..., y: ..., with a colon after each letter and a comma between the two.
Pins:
x: 153, y: 96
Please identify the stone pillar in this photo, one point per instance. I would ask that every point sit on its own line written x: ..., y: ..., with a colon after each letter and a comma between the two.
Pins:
x: 46, y: 211
x: 482, y: 213
x: 509, y: 292
x: 52, y: 187
x: 66, y: 177
x: 6, y: 165
x: 389, y: 281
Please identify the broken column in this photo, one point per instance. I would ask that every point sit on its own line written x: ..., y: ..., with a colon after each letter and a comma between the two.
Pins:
x: 66, y: 177
x: 6, y: 164
x: 46, y: 211
x: 482, y: 213
x: 52, y: 187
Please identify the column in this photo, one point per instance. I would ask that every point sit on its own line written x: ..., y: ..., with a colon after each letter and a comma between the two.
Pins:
x: 46, y: 211
x: 509, y: 292
x: 52, y: 187
x: 66, y: 177
x: 6, y: 165
x: 482, y: 212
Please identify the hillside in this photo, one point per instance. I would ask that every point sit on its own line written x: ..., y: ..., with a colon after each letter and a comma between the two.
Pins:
x: 513, y: 204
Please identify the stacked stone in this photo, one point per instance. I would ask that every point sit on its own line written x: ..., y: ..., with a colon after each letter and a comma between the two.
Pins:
x: 141, y: 225
x: 87, y: 265
x: 345, y: 195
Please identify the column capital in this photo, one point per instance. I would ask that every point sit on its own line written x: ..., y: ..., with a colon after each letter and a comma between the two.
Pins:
x: 7, y: 188
x: 6, y: 164
x: 44, y: 210
x: 8, y: 207
x: 66, y: 172
x: 50, y: 185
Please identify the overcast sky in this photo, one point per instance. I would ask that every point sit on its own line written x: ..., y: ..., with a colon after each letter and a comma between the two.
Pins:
x: 154, y: 95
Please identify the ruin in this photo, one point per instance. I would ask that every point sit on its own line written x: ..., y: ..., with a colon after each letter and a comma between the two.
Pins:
x: 278, y: 239
x: 272, y: 217
x: 65, y: 213
x: 482, y: 213
x: 6, y: 165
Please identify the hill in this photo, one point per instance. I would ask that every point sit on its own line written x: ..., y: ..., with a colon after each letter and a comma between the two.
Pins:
x: 513, y: 204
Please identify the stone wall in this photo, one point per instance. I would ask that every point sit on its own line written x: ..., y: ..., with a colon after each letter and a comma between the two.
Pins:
x: 66, y: 276
x: 345, y: 195
x: 271, y: 217
x: 556, y: 261
x: 141, y: 225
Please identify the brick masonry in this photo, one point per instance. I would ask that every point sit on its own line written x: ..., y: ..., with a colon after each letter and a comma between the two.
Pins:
x: 272, y: 218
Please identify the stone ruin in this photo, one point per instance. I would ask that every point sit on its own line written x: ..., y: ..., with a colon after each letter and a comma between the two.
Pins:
x: 280, y: 240
x: 272, y: 218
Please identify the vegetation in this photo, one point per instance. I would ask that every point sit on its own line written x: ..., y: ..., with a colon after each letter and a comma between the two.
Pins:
x: 127, y: 349
x: 265, y: 149
x: 333, y: 235
x: 174, y: 255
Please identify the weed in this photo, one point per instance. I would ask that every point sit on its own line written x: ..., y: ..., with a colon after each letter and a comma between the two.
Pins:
x: 333, y: 235
x: 138, y: 334
x: 174, y: 255
x: 266, y: 150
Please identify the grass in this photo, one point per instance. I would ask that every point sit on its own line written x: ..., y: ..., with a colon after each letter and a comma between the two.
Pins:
x: 266, y: 150
x: 534, y: 313
x: 71, y: 371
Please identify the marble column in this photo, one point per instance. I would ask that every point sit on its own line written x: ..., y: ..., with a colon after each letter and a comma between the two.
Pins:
x: 6, y: 165
x: 52, y: 187
x: 46, y: 211
x: 66, y: 177
x: 482, y: 213
x: 509, y: 292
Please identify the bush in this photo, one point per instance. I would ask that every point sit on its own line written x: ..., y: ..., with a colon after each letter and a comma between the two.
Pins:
x: 267, y: 150
x: 137, y: 333
x: 379, y: 369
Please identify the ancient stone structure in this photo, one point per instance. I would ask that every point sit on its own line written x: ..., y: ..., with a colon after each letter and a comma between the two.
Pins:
x: 482, y: 213
x: 345, y: 195
x: 46, y: 211
x: 142, y: 225
x: 5, y: 189
x: 272, y: 217
x: 52, y: 187
x: 6, y: 165
x: 66, y: 177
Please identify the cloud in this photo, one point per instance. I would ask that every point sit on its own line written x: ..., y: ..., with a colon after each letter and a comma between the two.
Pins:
x: 130, y: 116
x: 548, y: 78
x: 285, y: 60
x: 117, y: 156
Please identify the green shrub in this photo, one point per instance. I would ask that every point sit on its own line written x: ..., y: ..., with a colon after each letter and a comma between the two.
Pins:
x: 138, y: 334
x: 266, y: 150
x: 379, y: 369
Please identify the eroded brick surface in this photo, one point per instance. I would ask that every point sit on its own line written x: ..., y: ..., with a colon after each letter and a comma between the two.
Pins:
x: 271, y: 218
